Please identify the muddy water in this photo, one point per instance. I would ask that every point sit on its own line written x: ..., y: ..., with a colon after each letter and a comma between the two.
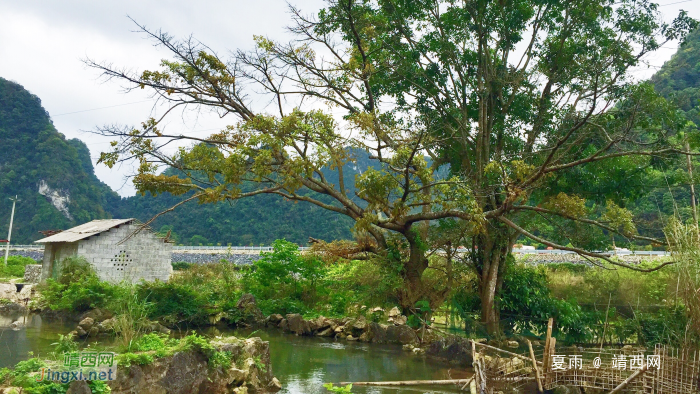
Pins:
x: 302, y: 364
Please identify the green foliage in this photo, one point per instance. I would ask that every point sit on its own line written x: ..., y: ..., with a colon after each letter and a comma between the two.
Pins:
x: 177, y: 302
x: 333, y: 389
x: 149, y: 342
x: 65, y: 344
x: 77, y: 288
x: 284, y: 279
x: 127, y: 359
x: 15, y: 266
x: 181, y: 265
x: 99, y: 387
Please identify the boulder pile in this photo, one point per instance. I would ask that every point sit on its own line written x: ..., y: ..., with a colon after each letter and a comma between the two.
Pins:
x: 350, y: 329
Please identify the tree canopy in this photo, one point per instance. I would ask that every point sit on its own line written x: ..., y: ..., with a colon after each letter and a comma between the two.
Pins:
x: 529, y: 103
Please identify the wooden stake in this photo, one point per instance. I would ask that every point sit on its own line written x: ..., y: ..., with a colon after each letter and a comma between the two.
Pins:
x: 627, y: 381
x: 548, y: 367
x: 545, y: 354
x: 534, y: 365
x: 520, y: 356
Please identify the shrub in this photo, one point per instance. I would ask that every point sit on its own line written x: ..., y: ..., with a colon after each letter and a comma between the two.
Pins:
x: 181, y: 265
x: 286, y: 279
x: 77, y: 288
x: 175, y: 302
x: 15, y: 266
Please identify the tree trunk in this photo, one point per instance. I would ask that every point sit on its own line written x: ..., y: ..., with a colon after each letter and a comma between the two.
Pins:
x: 490, y: 251
x: 413, y: 269
x: 415, y: 288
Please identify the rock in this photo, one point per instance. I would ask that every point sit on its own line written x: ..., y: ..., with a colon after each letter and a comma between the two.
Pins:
x: 189, y: 372
x: 365, y: 337
x: 351, y: 338
x: 274, y: 386
x: 9, y: 291
x: 79, y: 387
x: 16, y: 325
x: 453, y: 349
x: 87, y: 323
x: 313, y: 325
x: 398, y: 320
x: 339, y: 329
x: 328, y: 332
x: 12, y: 308
x: 297, y: 324
x: 93, y: 332
x: 157, y: 327
x: 402, y: 334
x: 284, y: 324
x: 32, y: 273
x: 376, y: 310
x: 248, y: 309
x: 512, y: 344
x: 417, y: 350
x: 393, y: 312
x: 107, y: 325
x: 275, y: 318
x: 357, y: 327
x: 322, y: 323
x: 377, y: 332
x: 80, y: 332
x: 97, y: 314
x: 237, y: 376
x: 408, y: 347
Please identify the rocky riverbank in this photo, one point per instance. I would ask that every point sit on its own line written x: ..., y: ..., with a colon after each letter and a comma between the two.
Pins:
x: 192, y: 366
x: 388, y: 327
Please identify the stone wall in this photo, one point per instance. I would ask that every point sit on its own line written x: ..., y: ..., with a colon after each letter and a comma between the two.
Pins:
x: 143, y: 256
x: 32, y: 273
x: 54, y: 253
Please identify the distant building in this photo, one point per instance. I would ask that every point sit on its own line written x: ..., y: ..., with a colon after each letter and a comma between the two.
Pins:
x: 142, y: 256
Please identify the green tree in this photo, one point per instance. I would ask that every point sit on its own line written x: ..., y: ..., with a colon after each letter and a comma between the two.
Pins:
x: 512, y: 96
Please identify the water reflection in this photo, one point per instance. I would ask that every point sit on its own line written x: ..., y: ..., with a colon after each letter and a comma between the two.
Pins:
x: 302, y: 364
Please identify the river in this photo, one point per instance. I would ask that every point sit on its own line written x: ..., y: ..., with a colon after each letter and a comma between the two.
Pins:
x: 302, y: 364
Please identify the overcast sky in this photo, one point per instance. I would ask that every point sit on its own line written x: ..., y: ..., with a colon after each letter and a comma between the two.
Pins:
x: 42, y: 44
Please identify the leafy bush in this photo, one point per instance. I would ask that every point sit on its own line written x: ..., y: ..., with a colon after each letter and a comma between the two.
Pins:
x: 181, y: 265
x: 175, y: 302
x: 77, y: 288
x: 65, y: 343
x: 15, y: 266
x: 284, y: 278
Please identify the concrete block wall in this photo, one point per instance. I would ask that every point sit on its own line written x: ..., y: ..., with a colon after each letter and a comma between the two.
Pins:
x: 143, y: 257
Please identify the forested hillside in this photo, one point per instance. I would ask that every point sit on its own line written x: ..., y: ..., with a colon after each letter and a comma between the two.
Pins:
x: 52, y: 176
x: 250, y: 221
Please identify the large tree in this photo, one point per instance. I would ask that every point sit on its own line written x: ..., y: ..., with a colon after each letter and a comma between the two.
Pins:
x: 514, y: 97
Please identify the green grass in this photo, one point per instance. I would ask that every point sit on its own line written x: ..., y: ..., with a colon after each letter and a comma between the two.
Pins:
x: 15, y: 266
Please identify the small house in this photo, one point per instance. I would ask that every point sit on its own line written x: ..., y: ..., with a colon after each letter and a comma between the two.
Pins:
x: 114, y: 249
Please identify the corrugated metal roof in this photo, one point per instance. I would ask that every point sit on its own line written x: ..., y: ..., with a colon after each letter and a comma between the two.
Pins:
x: 84, y: 230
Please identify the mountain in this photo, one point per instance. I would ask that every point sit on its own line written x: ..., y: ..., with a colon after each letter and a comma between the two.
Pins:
x: 52, y: 176
x: 679, y: 78
x: 250, y: 221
